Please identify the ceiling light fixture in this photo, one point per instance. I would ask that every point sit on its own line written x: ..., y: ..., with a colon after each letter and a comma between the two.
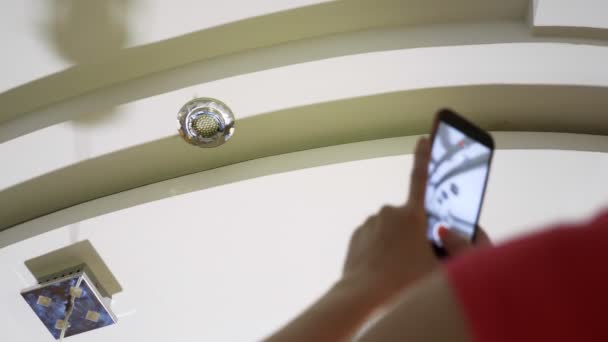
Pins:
x: 205, y: 122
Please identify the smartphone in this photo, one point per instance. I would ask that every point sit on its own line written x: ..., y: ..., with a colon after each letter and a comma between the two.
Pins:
x: 461, y: 154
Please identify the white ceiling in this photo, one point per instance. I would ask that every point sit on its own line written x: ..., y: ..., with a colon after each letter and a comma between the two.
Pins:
x: 227, y: 244
x: 233, y: 262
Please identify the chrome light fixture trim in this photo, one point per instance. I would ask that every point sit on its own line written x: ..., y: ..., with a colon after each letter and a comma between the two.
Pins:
x: 205, y: 122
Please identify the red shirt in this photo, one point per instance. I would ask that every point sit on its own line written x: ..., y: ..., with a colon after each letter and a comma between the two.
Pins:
x: 550, y: 286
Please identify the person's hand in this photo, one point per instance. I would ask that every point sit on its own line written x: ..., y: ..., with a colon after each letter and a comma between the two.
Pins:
x: 387, y: 253
x: 390, y: 250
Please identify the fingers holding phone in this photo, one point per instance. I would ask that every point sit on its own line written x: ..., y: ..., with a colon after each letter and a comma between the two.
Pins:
x: 391, y: 249
x: 461, y: 154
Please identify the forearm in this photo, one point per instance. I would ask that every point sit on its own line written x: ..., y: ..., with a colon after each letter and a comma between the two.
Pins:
x: 428, y: 311
x: 337, y: 316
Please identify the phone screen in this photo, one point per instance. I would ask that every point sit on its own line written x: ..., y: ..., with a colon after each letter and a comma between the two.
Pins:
x: 458, y: 170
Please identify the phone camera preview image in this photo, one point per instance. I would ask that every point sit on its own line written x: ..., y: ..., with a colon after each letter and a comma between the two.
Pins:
x: 458, y: 170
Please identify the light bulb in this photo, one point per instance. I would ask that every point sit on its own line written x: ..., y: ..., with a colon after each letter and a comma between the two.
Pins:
x: 205, y: 122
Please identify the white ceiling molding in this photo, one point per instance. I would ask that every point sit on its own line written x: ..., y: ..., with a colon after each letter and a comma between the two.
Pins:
x: 293, y: 52
x: 521, y: 86
x: 349, y: 77
x: 42, y: 38
x: 256, y: 167
x: 254, y: 32
x: 515, y: 107
x: 563, y: 18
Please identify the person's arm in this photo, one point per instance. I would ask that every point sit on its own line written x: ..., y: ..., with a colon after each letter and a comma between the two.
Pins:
x: 386, y: 254
x: 372, y: 272
x: 334, y: 317
x: 428, y: 311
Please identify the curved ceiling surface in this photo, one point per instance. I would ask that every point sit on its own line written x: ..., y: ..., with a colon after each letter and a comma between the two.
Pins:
x: 260, y: 29
x: 62, y: 49
x: 329, y: 97
x: 364, y: 70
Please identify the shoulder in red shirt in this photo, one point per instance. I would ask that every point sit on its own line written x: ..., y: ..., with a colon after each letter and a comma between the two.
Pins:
x: 550, y: 286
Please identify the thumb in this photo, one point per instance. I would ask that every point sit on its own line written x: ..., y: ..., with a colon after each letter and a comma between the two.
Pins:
x: 453, y: 242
